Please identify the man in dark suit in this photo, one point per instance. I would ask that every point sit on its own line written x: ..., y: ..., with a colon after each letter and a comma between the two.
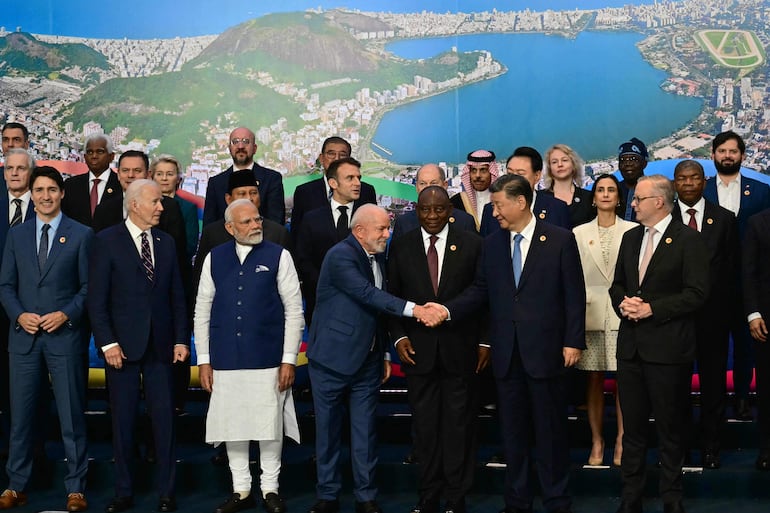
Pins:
x: 317, y: 193
x: 14, y: 135
x: 15, y: 207
x: 346, y: 351
x: 718, y: 228
x: 326, y: 226
x: 427, y: 175
x: 529, y: 268
x: 138, y: 316
x: 661, y: 280
x: 436, y: 262
x: 45, y: 296
x: 241, y: 185
x: 84, y: 192
x: 744, y: 197
x: 632, y: 159
x: 527, y: 162
x: 477, y: 175
x: 756, y: 299
x: 243, y: 146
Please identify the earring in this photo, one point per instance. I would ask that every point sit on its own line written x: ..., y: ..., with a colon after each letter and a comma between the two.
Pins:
x: 593, y: 204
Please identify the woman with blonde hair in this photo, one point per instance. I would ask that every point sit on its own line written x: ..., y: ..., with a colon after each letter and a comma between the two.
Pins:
x: 563, y: 179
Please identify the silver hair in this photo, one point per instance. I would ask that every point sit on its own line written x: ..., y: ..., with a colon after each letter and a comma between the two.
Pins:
x: 22, y: 151
x: 99, y: 137
x: 135, y: 190
x: 441, y: 172
x: 235, y: 204
x: 365, y: 213
x: 662, y: 187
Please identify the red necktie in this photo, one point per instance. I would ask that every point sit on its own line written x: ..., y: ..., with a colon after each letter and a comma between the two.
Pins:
x: 433, y: 263
x: 95, y: 195
x: 692, y: 223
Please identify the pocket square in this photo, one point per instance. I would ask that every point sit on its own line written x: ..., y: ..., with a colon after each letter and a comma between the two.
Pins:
x: 261, y: 268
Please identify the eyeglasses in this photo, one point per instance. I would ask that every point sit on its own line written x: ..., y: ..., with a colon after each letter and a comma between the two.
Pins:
x: 638, y: 199
x: 244, y: 141
x: 336, y: 155
x: 97, y: 151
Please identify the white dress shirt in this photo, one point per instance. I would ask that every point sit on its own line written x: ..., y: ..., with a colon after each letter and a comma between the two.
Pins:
x: 25, y: 199
x: 527, y: 233
x: 101, y: 186
x: 699, y: 208
x: 661, y: 227
x: 729, y: 193
x: 440, y: 246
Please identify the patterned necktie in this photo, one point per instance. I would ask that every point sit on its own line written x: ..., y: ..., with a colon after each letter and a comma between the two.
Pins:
x: 342, y: 222
x: 517, y: 258
x: 692, y: 223
x: 433, y: 263
x: 147, y: 258
x: 17, y: 213
x: 648, y: 250
x: 42, y: 252
x: 95, y: 195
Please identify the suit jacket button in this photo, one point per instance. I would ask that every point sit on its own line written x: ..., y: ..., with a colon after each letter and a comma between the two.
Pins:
x: 638, y: 292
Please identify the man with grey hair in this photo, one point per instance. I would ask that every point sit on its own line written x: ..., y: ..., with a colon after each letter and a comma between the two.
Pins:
x: 248, y: 327
x: 82, y: 193
x: 661, y: 281
x: 138, y: 315
x: 427, y: 175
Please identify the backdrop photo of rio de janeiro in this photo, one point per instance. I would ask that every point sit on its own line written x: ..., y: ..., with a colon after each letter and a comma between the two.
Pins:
x: 405, y: 82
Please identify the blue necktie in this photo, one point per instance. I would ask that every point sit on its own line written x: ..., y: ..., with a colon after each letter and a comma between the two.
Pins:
x: 42, y: 252
x: 517, y: 258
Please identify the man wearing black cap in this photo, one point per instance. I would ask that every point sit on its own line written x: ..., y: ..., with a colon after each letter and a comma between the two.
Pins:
x: 240, y: 185
x: 632, y: 159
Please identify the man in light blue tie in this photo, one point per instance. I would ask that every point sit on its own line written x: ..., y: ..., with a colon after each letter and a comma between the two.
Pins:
x: 536, y: 331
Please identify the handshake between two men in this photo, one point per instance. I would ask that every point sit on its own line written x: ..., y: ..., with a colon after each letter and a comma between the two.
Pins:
x: 431, y: 314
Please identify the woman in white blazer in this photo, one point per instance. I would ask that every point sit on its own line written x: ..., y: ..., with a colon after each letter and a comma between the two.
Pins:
x: 599, y: 242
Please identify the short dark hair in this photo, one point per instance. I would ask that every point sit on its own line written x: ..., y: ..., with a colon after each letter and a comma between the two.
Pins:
x: 334, y: 166
x: 46, y: 172
x: 513, y: 186
x: 620, y: 208
x: 13, y: 124
x: 722, y: 138
x: 687, y: 164
x: 531, y: 153
x: 335, y: 139
x: 135, y: 153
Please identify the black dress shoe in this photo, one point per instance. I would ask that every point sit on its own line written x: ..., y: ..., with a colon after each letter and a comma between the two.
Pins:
x: 119, y: 504
x: 428, y: 506
x: 235, y: 503
x: 743, y: 410
x: 367, y: 507
x: 166, y: 504
x: 673, y: 507
x: 763, y: 460
x: 274, y: 503
x: 457, y: 506
x: 630, y: 507
x: 711, y: 460
x: 325, y: 506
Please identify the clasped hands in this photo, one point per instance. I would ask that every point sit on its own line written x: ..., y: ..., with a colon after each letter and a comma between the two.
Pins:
x: 50, y: 322
x: 430, y: 314
x: 634, y: 308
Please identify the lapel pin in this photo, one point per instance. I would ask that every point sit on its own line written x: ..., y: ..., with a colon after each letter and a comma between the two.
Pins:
x: 451, y: 219
x: 709, y: 221
x: 62, y: 240
x: 747, y: 192
x: 109, y: 191
x: 542, y: 215
x: 542, y: 237
x: 452, y: 248
x: 591, y: 242
x: 157, y: 239
x: 576, y: 199
x: 668, y: 240
x: 257, y: 183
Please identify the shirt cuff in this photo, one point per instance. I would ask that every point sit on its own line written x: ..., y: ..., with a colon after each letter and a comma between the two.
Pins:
x: 109, y: 346
x: 482, y: 344
x: 754, y: 315
x: 409, y: 309
x: 290, y: 358
x: 399, y: 340
x: 387, y: 357
x: 203, y: 359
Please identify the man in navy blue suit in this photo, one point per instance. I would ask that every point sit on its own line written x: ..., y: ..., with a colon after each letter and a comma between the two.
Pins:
x: 243, y: 146
x: 531, y: 279
x: 744, y: 197
x: 427, y: 175
x: 138, y: 316
x: 527, y: 162
x: 346, y: 351
x: 45, y: 297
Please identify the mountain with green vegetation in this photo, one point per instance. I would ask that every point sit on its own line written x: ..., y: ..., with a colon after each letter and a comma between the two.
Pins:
x: 222, y: 85
x: 22, y: 54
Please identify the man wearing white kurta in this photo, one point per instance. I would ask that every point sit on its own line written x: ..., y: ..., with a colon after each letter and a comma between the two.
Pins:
x: 248, y: 327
